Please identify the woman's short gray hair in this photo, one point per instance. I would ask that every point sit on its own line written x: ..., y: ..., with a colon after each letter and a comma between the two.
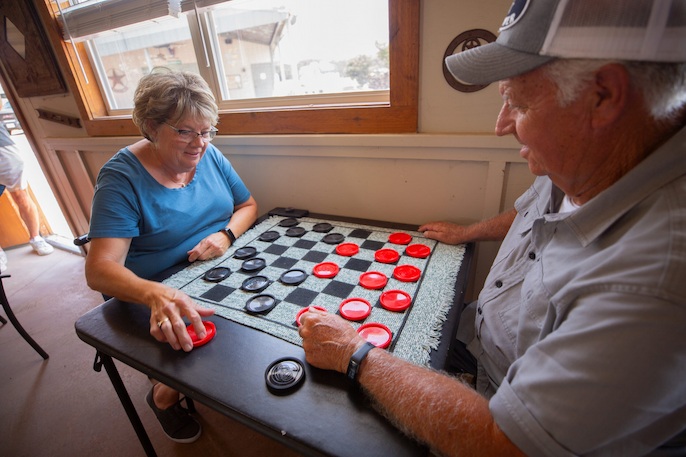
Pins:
x: 168, y: 96
x: 663, y: 84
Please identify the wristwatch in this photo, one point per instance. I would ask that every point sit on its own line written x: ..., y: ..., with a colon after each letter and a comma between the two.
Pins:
x: 229, y: 233
x: 356, y: 360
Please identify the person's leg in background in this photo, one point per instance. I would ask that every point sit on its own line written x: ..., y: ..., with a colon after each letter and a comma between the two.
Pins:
x: 29, y: 214
x: 12, y: 176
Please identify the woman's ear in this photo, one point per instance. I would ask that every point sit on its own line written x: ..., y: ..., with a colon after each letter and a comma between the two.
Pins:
x: 151, y: 129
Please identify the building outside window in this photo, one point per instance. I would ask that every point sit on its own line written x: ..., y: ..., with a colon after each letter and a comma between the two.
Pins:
x: 327, y: 51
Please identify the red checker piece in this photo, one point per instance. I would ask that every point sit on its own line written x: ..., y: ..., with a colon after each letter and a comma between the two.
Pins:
x: 373, y: 280
x: 210, y: 331
x: 347, y: 249
x: 420, y: 251
x: 386, y: 255
x: 377, y: 334
x: 306, y: 309
x: 407, y: 273
x: 355, y: 309
x: 399, y: 238
x: 395, y: 300
x: 325, y: 270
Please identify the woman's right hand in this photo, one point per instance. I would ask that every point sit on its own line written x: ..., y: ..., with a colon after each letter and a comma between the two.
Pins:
x: 167, y: 310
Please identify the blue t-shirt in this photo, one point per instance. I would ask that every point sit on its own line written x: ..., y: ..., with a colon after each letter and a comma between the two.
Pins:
x: 163, y: 224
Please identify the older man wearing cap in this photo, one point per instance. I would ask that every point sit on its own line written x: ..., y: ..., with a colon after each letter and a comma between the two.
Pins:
x: 578, y: 332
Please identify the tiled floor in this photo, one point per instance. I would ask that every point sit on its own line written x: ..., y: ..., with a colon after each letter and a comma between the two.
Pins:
x: 61, y: 406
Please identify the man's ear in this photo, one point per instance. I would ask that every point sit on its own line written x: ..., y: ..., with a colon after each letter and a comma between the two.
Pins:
x: 612, y: 93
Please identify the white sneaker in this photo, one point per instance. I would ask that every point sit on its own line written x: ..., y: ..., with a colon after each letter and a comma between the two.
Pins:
x: 41, y: 246
x: 3, y: 261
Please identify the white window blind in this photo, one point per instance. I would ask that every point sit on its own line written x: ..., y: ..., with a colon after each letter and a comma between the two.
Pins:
x: 86, y: 20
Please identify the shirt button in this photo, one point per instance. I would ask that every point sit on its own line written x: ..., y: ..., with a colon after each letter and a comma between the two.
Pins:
x: 499, y: 283
x: 532, y: 255
x: 481, y: 311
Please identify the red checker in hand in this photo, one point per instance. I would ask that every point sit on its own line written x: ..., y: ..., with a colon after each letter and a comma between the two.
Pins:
x: 395, y: 300
x: 347, y: 249
x: 386, y: 255
x: 210, y: 331
x: 325, y: 270
x: 304, y: 310
x: 355, y: 309
x: 373, y: 280
x: 377, y: 334
x: 399, y: 238
x: 420, y: 251
x: 407, y: 273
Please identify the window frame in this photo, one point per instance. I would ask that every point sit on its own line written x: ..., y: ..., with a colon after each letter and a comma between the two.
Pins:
x: 399, y: 116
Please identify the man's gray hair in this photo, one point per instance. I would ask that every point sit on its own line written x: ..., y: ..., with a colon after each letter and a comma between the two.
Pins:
x: 663, y: 84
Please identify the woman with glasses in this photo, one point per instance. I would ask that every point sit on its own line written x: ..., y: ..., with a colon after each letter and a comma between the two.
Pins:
x: 169, y: 198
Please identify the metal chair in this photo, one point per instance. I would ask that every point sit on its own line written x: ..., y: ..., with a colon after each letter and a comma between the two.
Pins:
x: 15, y: 322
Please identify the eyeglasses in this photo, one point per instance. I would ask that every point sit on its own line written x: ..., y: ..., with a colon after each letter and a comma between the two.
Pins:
x: 191, y: 135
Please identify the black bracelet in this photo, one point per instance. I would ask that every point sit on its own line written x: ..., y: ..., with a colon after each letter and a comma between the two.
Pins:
x: 357, y: 359
x: 229, y: 233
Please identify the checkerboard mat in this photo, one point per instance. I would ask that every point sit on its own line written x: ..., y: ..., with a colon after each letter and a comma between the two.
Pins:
x: 415, y: 331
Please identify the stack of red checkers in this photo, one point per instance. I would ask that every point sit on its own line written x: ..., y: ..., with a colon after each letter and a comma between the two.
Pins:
x: 355, y: 309
x: 386, y: 255
x: 347, y: 249
x: 400, y: 238
x: 325, y: 270
x: 304, y: 310
x: 210, y: 331
x: 395, y: 300
x: 407, y: 273
x: 377, y: 334
x: 420, y: 251
x: 373, y: 280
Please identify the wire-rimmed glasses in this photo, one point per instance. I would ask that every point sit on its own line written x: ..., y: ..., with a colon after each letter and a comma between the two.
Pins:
x: 190, y: 135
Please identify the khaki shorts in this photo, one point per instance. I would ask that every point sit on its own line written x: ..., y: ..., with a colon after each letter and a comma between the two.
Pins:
x: 12, y: 168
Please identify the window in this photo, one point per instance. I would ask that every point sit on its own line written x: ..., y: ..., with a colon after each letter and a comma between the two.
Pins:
x: 276, y: 66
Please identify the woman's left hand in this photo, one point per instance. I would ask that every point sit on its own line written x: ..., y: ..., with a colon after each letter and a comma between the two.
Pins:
x: 209, y: 247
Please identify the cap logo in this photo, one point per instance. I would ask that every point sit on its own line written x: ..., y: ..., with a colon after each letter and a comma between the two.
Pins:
x: 516, y: 12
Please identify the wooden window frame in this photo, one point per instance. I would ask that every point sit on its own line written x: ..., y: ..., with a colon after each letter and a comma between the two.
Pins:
x: 400, y: 116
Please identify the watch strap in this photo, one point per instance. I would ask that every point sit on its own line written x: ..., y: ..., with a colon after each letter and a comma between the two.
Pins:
x: 229, y: 233
x: 356, y: 360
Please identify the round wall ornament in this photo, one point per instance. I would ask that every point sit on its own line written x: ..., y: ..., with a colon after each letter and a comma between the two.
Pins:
x: 463, y: 42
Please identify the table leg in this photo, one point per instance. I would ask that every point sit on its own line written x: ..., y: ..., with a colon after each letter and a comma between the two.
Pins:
x: 118, y: 384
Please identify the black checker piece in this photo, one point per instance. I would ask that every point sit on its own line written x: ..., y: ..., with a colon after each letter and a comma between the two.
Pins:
x: 322, y: 227
x: 339, y: 289
x: 218, y: 293
x: 295, y: 232
x: 290, y: 222
x: 333, y: 238
x: 302, y: 297
x: 269, y: 236
x: 245, y: 252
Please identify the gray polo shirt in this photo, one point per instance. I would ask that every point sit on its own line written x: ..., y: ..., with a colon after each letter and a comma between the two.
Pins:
x: 580, y: 326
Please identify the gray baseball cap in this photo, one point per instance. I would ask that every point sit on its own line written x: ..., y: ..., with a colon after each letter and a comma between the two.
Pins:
x: 535, y: 32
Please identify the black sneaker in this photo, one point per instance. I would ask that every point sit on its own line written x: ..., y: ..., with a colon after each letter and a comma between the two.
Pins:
x: 176, y: 421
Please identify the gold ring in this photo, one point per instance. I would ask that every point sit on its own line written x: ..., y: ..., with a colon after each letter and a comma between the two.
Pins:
x: 159, y: 324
